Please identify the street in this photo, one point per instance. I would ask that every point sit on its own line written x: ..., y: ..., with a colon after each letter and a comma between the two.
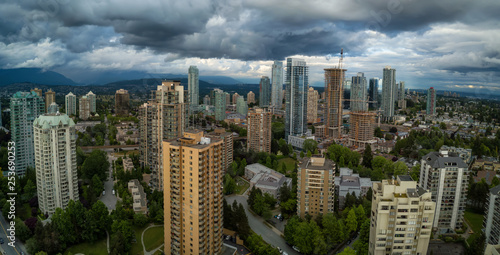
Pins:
x: 258, y: 226
x: 109, y: 199
x: 9, y: 250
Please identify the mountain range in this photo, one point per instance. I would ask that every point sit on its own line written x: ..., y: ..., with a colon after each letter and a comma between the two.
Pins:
x: 40, y: 76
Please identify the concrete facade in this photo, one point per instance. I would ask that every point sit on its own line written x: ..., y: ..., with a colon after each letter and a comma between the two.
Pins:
x: 193, y: 194
x: 315, y: 186
x: 55, y: 161
x: 401, y: 218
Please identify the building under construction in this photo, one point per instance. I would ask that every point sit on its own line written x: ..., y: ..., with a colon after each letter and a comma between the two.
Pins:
x: 361, y: 128
x: 334, y: 87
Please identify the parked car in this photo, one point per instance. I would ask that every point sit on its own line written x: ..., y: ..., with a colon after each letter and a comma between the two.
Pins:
x: 295, y: 248
x: 103, y: 192
x: 113, y: 192
x: 280, y: 250
x: 1, y: 240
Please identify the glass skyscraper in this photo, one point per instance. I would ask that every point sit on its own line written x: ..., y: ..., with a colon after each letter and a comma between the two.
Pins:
x: 373, y: 92
x: 358, y: 93
x: 277, y: 84
x: 25, y: 108
x: 296, y: 82
x: 264, y: 91
x: 193, y: 86
x: 389, y: 92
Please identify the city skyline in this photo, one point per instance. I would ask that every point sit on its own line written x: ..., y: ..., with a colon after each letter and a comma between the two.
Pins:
x: 452, y: 46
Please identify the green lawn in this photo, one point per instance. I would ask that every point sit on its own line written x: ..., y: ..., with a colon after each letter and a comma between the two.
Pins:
x: 153, y: 238
x: 241, y: 185
x: 289, y: 163
x: 475, y: 222
x: 137, y: 247
x: 97, y: 248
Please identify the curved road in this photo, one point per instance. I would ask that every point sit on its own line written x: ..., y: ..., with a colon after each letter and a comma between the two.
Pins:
x: 258, y: 226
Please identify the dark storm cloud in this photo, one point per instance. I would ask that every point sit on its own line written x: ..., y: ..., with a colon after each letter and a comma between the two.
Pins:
x: 96, y: 34
x: 251, y: 30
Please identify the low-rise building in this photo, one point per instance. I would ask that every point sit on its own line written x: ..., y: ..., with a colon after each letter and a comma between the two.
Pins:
x: 349, y: 182
x: 128, y: 165
x: 266, y: 179
x: 140, y: 203
x: 487, y: 165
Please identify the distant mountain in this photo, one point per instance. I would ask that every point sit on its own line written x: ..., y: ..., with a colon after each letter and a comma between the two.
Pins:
x: 105, y: 77
x: 33, y: 75
x: 86, y: 77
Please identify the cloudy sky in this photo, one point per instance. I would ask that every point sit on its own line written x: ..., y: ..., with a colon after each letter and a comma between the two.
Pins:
x: 448, y: 44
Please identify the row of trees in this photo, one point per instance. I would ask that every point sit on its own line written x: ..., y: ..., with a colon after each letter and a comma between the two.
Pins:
x: 73, y: 225
x: 236, y: 219
x: 317, y: 236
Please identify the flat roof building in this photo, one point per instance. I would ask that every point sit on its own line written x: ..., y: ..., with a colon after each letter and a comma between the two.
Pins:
x: 193, y: 194
x: 401, y: 217
x: 266, y: 179
x: 315, y: 186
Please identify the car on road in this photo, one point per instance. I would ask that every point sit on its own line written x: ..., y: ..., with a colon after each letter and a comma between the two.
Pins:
x: 285, y: 253
x: 1, y: 240
x: 280, y: 250
x: 295, y: 248
x: 103, y: 192
x: 113, y: 192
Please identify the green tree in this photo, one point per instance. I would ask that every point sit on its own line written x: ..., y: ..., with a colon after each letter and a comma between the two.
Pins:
x: 351, y: 221
x: 400, y: 168
x: 305, y: 234
x: 332, y: 230
x: 96, y: 184
x: 29, y: 189
x: 348, y: 251
x: 229, y: 184
x: 360, y: 214
x: 124, y: 227
x: 96, y: 163
x: 378, y: 133
x: 301, y: 154
x: 140, y: 220
x: 361, y: 245
x: 310, y: 145
x: 367, y: 156
x: 290, y: 229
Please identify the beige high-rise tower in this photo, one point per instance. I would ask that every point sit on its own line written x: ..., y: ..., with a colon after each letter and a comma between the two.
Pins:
x: 312, y: 105
x: 315, y: 186
x: 164, y: 117
x: 259, y: 130
x: 50, y: 97
x: 55, y: 161
x: 250, y: 97
x: 193, y: 194
x: 401, y: 217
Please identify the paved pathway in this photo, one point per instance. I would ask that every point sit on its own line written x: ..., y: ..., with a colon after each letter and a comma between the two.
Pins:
x: 144, y: 246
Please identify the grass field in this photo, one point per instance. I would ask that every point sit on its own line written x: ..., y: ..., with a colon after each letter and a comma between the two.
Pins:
x: 289, y: 163
x: 137, y: 247
x: 97, y: 248
x: 242, y: 185
x: 153, y: 238
x: 475, y: 222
